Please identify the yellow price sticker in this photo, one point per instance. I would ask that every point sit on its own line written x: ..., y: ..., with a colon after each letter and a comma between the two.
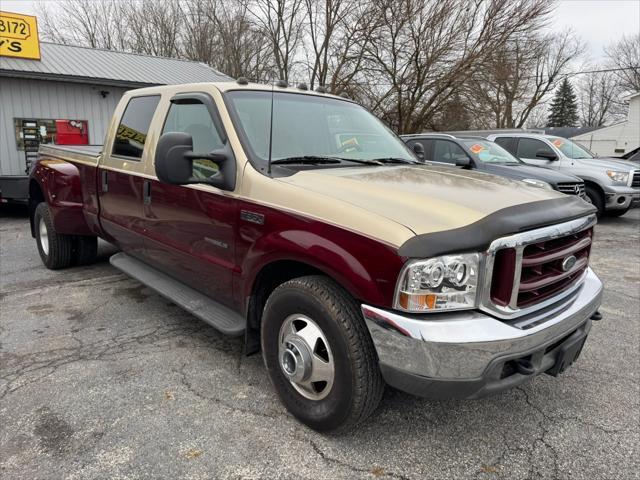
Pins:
x: 19, y: 36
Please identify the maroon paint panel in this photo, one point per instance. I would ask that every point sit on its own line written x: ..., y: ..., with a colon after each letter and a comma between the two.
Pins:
x: 365, y: 267
x: 121, y: 212
x: 189, y: 234
x: 61, y: 185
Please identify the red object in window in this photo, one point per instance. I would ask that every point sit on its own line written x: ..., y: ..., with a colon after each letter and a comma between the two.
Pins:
x: 72, y: 132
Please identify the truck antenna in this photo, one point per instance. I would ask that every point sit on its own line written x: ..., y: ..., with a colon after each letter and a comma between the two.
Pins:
x: 270, y: 131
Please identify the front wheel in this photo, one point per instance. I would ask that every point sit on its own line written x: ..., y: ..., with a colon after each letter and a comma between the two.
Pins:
x: 319, y: 354
x: 595, y: 197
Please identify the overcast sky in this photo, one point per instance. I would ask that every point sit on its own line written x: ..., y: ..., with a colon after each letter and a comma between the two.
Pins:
x: 598, y: 22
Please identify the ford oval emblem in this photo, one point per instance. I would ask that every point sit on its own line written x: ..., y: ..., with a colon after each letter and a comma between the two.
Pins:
x: 568, y: 263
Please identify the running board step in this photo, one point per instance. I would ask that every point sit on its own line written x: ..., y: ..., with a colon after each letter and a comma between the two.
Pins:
x: 194, y: 302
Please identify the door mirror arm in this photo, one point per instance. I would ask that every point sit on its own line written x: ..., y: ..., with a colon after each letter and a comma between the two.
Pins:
x: 546, y: 154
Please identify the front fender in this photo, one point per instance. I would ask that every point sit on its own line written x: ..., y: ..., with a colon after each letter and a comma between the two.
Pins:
x: 60, y: 184
x: 365, y: 267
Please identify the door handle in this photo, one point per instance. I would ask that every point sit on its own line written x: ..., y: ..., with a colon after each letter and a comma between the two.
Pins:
x: 105, y: 181
x: 146, y: 192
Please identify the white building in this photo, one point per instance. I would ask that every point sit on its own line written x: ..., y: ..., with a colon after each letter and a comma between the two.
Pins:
x: 617, y: 139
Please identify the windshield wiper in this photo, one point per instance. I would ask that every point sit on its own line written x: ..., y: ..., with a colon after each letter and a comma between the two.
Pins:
x: 396, y: 160
x: 318, y: 160
x: 306, y: 159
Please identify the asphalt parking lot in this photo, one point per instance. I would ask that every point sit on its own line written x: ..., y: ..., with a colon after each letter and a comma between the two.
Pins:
x: 102, y: 378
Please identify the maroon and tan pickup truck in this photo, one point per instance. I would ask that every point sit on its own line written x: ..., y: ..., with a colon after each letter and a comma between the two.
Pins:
x: 297, y: 219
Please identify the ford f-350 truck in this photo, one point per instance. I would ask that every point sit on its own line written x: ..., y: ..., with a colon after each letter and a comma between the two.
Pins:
x: 297, y: 219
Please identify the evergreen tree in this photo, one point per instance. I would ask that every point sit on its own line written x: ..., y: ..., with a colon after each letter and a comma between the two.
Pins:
x: 564, y: 108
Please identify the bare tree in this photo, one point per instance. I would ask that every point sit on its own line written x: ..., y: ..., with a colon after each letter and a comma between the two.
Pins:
x: 281, y: 22
x: 598, y: 93
x: 85, y: 22
x: 625, y: 55
x: 155, y: 27
x: 521, y: 75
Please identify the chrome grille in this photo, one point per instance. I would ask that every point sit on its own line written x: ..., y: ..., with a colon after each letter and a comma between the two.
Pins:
x: 531, y: 270
x: 571, y: 188
x: 635, y: 182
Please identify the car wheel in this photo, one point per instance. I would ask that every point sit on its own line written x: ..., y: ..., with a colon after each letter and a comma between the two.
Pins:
x: 85, y: 250
x: 596, y: 199
x: 616, y: 213
x: 55, y: 249
x: 319, y: 354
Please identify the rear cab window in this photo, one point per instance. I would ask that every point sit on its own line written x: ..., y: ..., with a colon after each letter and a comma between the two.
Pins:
x: 134, y: 127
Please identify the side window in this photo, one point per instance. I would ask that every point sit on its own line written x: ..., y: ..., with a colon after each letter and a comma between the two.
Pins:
x: 447, y: 152
x: 506, y: 143
x: 134, y: 126
x: 528, y: 147
x: 194, y: 119
x: 426, y: 144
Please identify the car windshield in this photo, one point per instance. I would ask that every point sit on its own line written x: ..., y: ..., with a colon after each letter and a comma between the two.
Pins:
x: 309, y: 126
x: 570, y: 149
x: 489, y: 152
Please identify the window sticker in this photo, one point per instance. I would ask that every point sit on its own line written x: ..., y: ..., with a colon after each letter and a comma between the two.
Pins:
x: 558, y: 142
x: 476, y: 148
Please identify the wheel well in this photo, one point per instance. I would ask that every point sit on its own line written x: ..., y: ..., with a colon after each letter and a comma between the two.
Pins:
x: 35, y: 197
x: 267, y: 280
x: 589, y: 183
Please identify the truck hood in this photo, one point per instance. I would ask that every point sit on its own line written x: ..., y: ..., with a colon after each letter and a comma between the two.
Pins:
x: 424, y: 199
x: 610, y: 163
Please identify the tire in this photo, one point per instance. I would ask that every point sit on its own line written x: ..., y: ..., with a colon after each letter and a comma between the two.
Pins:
x: 85, y: 249
x: 616, y: 213
x: 55, y: 249
x: 596, y: 198
x: 355, y: 390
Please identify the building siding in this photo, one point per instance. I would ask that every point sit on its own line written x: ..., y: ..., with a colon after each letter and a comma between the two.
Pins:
x: 27, y: 98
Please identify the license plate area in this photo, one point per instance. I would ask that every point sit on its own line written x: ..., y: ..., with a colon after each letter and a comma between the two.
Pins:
x: 567, y: 353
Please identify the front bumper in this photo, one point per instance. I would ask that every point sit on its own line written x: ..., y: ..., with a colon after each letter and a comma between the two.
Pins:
x: 621, y: 198
x: 471, y: 354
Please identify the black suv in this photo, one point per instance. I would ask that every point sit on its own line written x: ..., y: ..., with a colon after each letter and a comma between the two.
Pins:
x: 483, y: 155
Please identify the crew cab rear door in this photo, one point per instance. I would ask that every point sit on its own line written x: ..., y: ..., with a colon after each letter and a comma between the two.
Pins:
x: 121, y: 173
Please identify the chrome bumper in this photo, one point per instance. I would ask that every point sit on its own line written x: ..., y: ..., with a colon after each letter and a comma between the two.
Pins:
x: 472, y: 346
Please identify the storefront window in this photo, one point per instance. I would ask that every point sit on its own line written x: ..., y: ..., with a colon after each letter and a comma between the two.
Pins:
x: 50, y: 131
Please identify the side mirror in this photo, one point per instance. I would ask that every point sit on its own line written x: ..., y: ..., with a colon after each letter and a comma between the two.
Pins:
x: 418, y: 149
x: 546, y: 154
x: 174, y: 162
x: 463, y: 162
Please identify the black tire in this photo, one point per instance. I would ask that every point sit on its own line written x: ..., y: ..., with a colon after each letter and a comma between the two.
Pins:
x: 56, y: 252
x: 616, y: 213
x: 596, y: 198
x: 85, y: 250
x: 357, y: 384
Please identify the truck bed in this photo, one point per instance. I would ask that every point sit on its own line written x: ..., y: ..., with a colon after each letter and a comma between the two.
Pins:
x: 80, y: 153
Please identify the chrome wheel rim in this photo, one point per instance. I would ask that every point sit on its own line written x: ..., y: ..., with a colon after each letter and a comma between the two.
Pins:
x: 305, y: 357
x: 44, y: 236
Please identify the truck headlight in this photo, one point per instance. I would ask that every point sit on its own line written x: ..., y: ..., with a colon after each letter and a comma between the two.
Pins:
x: 449, y: 282
x: 537, y: 183
x: 616, y: 176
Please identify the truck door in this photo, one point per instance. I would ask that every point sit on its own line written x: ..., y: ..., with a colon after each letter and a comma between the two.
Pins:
x: 528, y: 150
x: 190, y: 229
x: 121, y: 175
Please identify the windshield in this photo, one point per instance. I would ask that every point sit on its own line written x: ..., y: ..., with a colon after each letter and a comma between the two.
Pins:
x: 570, y: 149
x: 489, y: 152
x: 311, y: 126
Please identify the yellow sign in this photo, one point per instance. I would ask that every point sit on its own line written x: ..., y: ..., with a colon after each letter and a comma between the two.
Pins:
x: 19, y: 36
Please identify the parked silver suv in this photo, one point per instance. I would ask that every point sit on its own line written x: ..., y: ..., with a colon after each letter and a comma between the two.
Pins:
x: 612, y: 185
